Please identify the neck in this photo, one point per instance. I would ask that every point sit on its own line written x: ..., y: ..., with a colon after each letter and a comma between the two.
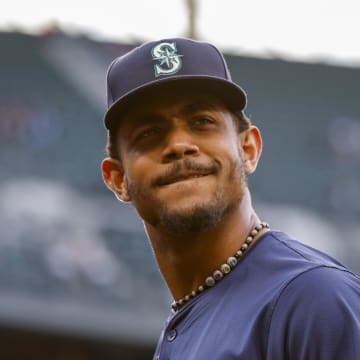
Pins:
x: 186, y: 260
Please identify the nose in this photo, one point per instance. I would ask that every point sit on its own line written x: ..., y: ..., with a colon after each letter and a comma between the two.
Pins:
x: 179, y: 144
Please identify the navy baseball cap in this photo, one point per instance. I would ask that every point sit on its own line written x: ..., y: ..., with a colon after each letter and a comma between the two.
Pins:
x: 174, y: 62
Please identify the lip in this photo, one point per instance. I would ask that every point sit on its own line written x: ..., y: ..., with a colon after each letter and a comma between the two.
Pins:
x: 180, y: 177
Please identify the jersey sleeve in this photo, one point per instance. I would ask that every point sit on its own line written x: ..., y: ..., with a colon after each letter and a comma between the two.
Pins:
x: 317, y: 317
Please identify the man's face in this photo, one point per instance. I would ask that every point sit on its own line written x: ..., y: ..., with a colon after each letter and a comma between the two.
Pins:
x: 182, y: 161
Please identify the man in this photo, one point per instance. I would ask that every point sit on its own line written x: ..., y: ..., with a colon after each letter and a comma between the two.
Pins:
x: 180, y: 149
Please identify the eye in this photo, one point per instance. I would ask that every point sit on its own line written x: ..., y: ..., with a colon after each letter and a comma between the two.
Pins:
x: 203, y: 121
x: 150, y: 132
x: 147, y: 132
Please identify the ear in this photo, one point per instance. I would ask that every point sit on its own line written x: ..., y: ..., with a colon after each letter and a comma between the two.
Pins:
x: 251, y: 144
x: 115, y: 179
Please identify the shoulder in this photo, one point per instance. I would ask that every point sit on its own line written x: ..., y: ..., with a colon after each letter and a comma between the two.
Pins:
x: 280, y: 266
x: 321, y: 285
x: 301, y: 248
x: 315, y: 272
x: 318, y: 312
x: 318, y: 278
x: 276, y: 260
x: 281, y: 245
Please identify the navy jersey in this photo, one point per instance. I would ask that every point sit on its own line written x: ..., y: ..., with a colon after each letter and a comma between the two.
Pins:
x: 284, y: 300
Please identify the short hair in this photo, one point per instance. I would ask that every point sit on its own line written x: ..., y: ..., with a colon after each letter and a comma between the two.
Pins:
x: 242, y: 123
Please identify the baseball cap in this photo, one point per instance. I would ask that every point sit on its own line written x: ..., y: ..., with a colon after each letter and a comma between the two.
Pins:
x: 175, y: 62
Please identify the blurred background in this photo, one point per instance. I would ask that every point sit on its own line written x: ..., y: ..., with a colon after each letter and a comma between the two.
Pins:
x: 77, y: 276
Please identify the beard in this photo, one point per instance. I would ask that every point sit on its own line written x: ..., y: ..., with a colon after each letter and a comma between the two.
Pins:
x: 198, y: 217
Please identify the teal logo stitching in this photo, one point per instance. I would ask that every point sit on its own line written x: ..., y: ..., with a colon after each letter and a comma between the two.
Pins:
x: 169, y: 61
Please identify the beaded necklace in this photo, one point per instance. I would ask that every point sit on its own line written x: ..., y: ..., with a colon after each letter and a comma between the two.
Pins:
x: 224, y: 269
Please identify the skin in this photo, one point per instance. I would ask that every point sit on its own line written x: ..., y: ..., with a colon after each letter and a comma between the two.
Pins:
x: 182, y: 160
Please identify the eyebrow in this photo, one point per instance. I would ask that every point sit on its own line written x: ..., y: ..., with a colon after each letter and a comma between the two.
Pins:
x: 192, y: 108
x: 186, y: 110
x: 150, y: 118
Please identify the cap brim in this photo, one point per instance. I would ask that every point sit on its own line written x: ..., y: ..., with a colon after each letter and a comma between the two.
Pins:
x: 231, y: 94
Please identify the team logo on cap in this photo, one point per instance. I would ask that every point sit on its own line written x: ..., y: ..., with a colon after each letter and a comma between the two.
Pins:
x: 169, y: 61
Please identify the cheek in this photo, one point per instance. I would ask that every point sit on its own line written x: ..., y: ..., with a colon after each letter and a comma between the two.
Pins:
x: 137, y: 171
x: 234, y: 165
x: 231, y: 152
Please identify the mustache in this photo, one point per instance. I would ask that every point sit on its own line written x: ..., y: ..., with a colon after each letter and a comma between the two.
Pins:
x: 186, y: 165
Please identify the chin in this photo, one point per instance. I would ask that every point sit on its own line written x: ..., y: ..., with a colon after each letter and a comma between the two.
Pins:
x: 194, y: 218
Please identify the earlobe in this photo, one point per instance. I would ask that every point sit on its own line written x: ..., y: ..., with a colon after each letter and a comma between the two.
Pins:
x: 115, y: 179
x: 251, y: 143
